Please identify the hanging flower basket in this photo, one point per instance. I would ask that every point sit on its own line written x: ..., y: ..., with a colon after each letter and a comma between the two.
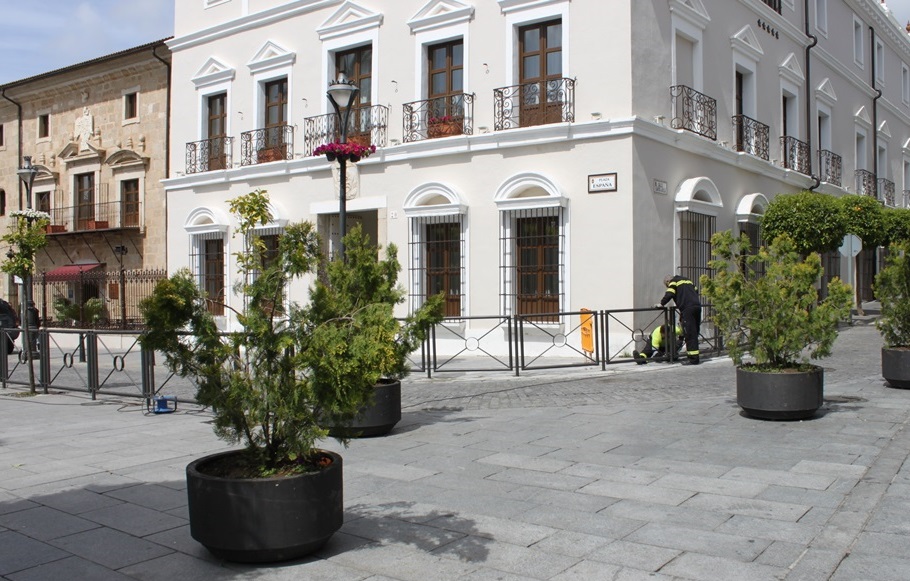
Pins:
x: 345, y: 151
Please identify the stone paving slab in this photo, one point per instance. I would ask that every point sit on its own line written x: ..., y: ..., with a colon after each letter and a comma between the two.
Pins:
x: 640, y: 472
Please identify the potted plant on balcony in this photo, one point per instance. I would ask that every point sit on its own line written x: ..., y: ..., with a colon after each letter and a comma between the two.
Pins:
x: 349, y: 151
x: 892, y: 289
x: 271, y: 385
x: 777, y: 319
x: 444, y: 126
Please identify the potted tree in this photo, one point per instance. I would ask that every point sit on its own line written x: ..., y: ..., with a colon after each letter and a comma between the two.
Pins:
x: 892, y: 288
x: 272, y: 384
x: 777, y: 319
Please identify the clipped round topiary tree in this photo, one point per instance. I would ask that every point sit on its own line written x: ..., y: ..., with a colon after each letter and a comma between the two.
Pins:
x: 815, y: 222
x: 896, y: 224
x: 864, y: 216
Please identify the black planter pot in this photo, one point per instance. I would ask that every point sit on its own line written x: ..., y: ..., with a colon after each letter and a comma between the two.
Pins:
x: 260, y: 520
x: 896, y: 366
x: 377, y: 418
x: 795, y: 395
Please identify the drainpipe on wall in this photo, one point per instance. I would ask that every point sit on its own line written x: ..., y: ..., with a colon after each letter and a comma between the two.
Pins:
x: 167, y: 139
x: 878, y: 95
x: 19, y: 156
x: 811, y: 45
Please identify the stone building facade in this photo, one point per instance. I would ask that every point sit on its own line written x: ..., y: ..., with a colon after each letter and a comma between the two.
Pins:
x: 97, y: 132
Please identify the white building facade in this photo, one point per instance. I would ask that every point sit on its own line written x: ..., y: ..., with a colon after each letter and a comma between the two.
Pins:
x: 534, y: 156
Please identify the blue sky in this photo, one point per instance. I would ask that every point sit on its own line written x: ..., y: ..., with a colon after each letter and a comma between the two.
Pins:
x: 42, y: 36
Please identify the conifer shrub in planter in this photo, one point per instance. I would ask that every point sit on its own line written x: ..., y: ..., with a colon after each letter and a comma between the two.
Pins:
x: 892, y: 288
x: 273, y: 383
x: 777, y: 320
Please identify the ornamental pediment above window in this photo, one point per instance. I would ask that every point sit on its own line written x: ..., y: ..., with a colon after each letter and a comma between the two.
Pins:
x: 270, y: 56
x: 349, y: 18
x: 211, y: 72
x: 438, y: 13
x: 74, y: 152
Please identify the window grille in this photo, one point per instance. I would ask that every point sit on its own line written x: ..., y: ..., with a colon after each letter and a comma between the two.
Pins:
x: 532, y: 246
x: 756, y: 241
x: 207, y: 264
x: 436, y: 250
x: 270, y: 237
x: 695, y: 244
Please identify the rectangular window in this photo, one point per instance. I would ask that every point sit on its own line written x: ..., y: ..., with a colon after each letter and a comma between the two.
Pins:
x: 129, y: 200
x: 821, y: 15
x: 436, y: 252
x: 533, y: 253
x: 276, y: 116
x: 131, y: 106
x: 357, y: 65
x: 540, y: 73
x: 84, y: 194
x: 695, y: 244
x: 216, y: 131
x: 858, y: 43
x: 445, y: 78
x: 879, y: 61
x: 44, y: 126
x: 905, y: 84
x: 43, y: 202
x: 2, y: 138
x: 213, y: 274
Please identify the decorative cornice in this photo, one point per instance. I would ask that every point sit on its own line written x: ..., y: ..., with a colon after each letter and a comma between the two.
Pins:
x: 438, y: 13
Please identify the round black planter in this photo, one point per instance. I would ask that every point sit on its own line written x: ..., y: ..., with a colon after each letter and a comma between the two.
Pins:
x: 793, y: 395
x: 260, y: 520
x: 376, y: 418
x: 896, y: 367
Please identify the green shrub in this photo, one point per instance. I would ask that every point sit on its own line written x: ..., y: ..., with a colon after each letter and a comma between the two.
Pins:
x: 777, y: 317
x: 815, y: 222
x: 892, y: 288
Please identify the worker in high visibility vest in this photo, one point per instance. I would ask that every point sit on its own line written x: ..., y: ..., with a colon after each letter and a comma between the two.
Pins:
x: 683, y: 292
x: 659, y: 344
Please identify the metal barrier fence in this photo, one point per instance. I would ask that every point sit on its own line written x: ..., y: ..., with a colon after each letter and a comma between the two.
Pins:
x: 114, y: 363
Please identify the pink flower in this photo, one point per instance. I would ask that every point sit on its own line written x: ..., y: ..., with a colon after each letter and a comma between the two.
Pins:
x: 346, y: 150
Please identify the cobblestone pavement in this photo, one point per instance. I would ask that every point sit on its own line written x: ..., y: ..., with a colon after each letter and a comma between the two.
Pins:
x: 637, y: 472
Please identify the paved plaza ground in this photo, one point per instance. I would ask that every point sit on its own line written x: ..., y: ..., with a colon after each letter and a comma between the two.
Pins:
x: 637, y: 472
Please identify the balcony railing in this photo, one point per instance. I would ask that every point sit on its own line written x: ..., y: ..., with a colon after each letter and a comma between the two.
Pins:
x: 439, y: 117
x: 694, y: 111
x: 368, y: 126
x: 865, y: 183
x: 752, y: 137
x: 830, y: 167
x: 774, y: 4
x: 795, y: 154
x: 267, y: 144
x: 97, y: 216
x: 886, y: 192
x: 209, y: 154
x: 906, y: 199
x: 537, y: 103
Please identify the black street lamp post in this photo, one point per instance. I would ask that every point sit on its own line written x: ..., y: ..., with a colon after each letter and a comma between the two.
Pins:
x: 342, y: 94
x: 27, y: 174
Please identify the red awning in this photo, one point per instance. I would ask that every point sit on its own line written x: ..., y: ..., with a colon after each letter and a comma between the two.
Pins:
x: 69, y: 272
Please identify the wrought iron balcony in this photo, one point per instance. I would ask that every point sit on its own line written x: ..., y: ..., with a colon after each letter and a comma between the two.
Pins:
x: 368, y: 126
x: 906, y: 199
x: 752, y: 137
x: 830, y: 167
x: 795, y: 154
x: 121, y: 214
x: 886, y: 192
x: 209, y: 154
x: 694, y: 111
x: 267, y: 144
x: 537, y: 103
x: 439, y: 117
x: 865, y: 183
x: 774, y: 4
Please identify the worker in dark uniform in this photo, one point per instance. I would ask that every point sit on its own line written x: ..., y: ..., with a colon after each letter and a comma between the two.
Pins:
x: 682, y: 291
x: 659, y: 344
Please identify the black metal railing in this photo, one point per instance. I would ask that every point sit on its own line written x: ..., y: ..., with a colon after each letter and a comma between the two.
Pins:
x: 886, y: 192
x: 367, y: 126
x: 86, y: 217
x: 438, y: 117
x: 906, y: 201
x: 774, y: 4
x: 694, y: 111
x: 830, y: 167
x: 267, y: 144
x: 866, y: 183
x: 752, y: 137
x: 795, y: 154
x: 209, y: 154
x: 537, y: 103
